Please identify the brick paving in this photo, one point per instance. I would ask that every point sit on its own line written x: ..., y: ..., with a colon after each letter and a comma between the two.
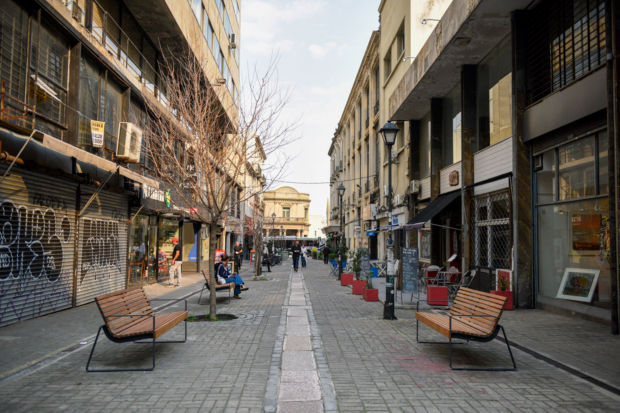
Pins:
x: 374, y: 365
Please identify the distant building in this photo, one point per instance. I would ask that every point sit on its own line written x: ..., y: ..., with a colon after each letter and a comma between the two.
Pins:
x: 291, y: 213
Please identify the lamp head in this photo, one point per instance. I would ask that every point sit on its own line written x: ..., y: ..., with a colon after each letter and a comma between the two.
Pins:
x: 341, y: 190
x: 424, y: 21
x: 273, y: 215
x: 389, y: 132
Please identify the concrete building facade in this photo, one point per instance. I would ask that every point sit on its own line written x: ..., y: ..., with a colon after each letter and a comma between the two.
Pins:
x: 286, y: 213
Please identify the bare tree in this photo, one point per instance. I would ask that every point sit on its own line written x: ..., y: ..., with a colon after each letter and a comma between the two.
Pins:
x: 200, y: 137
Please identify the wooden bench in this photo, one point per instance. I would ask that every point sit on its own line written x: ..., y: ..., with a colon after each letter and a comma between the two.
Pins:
x: 128, y: 316
x: 230, y: 287
x: 474, y: 316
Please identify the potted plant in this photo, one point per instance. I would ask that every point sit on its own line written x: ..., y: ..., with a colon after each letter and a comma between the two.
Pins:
x: 503, y: 282
x: 356, y: 266
x: 370, y: 293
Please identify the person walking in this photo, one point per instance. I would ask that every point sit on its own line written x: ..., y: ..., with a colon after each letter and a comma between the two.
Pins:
x: 296, y: 253
x: 326, y: 252
x: 175, y: 267
x: 238, y: 250
x: 266, y: 260
x: 304, y: 251
x: 224, y: 276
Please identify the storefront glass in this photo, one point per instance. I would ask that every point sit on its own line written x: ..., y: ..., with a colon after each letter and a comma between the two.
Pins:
x: 168, y: 229
x: 142, y: 233
x: 573, y: 237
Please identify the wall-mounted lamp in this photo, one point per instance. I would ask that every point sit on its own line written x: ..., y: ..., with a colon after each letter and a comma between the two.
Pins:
x: 429, y: 20
x: 408, y: 57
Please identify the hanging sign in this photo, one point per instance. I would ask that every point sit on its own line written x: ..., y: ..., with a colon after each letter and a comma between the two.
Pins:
x: 96, y: 131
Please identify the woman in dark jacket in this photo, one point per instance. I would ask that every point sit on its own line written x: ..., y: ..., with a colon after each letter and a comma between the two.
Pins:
x: 222, y: 272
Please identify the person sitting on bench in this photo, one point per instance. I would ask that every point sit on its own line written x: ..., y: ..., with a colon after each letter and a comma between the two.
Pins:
x: 223, y: 272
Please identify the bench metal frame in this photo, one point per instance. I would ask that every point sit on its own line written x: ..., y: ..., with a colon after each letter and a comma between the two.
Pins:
x: 135, y: 338
x: 467, y: 339
x: 206, y: 287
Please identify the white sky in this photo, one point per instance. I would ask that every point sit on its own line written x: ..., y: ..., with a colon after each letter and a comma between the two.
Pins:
x: 321, y: 44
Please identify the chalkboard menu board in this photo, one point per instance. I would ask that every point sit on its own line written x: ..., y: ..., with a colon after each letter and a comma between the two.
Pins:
x: 410, y: 269
x: 365, y: 263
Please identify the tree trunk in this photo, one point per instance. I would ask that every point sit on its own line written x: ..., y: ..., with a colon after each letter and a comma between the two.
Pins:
x: 212, y: 277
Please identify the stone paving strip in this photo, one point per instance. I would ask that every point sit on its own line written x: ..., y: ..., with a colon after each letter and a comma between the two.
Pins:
x: 304, y: 381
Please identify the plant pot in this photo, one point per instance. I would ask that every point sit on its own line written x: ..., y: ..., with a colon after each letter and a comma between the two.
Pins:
x: 358, y: 287
x: 437, y: 296
x: 371, y: 295
x: 508, y: 295
x: 346, y: 279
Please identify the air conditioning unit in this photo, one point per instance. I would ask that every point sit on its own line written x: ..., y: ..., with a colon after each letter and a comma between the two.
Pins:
x: 386, y: 190
x: 399, y: 199
x: 232, y: 40
x: 414, y: 187
x: 129, y: 142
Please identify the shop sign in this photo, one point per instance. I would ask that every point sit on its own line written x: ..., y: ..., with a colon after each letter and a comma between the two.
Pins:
x: 167, y: 198
x: 97, y: 130
x: 453, y: 178
x: 152, y: 193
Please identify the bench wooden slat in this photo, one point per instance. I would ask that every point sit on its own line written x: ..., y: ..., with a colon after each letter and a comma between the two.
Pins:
x: 132, y: 301
x: 486, y: 324
x: 473, y: 308
x: 117, y: 323
x: 163, y: 323
x: 114, y: 296
x: 487, y: 298
x: 441, y: 324
x: 125, y: 304
x: 495, y: 309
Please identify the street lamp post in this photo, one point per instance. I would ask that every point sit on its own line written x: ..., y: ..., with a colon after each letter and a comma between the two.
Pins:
x: 389, y: 132
x: 283, y: 243
x: 341, y: 190
x: 273, y: 235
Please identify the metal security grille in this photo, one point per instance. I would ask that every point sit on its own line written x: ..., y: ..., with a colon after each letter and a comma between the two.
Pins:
x: 491, y: 239
x: 566, y: 40
x: 37, y: 230
x: 102, y: 245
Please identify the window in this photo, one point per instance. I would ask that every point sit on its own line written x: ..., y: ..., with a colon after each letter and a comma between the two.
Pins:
x: 88, y: 101
x: 495, y: 96
x: 425, y: 146
x: 13, y: 55
x: 575, y: 42
x: 377, y: 90
x: 197, y: 8
x: 220, y: 7
x: 576, y: 169
x: 112, y: 117
x: 227, y: 26
x: 491, y: 235
x: 377, y: 154
x: 53, y: 71
x: 217, y: 52
x: 236, y: 7
x: 286, y: 212
x: 451, y: 144
x: 208, y: 32
x: 306, y: 213
x: 400, y: 138
x: 400, y: 40
x: 387, y: 65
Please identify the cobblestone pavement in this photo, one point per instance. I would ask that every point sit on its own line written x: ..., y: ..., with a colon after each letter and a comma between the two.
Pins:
x: 377, y: 366
x: 371, y: 364
x: 223, y: 366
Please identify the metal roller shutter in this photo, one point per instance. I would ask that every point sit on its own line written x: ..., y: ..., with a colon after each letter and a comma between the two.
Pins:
x: 37, y: 229
x: 102, y: 245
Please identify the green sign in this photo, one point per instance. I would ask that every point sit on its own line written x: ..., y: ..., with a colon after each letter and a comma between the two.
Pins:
x: 167, y: 198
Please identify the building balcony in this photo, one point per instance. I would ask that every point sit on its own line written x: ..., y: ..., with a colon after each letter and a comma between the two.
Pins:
x: 289, y: 221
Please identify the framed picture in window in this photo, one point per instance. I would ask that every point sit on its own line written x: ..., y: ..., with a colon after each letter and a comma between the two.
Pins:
x: 424, y: 243
x: 578, y: 284
x: 585, y: 234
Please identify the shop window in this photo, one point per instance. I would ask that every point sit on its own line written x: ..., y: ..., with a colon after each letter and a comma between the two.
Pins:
x: 576, y: 169
x: 495, y: 96
x: 168, y: 229
x: 451, y: 144
x: 425, y: 146
x: 545, y: 179
x: 574, y: 236
x: 603, y: 172
x: 491, y: 233
x: 424, y: 241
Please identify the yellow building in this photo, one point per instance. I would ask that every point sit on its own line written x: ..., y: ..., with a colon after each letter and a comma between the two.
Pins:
x: 286, y: 212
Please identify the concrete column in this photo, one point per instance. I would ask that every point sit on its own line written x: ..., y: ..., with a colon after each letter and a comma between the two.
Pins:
x: 468, y: 144
x: 522, y: 210
x: 612, y: 27
x: 436, y: 165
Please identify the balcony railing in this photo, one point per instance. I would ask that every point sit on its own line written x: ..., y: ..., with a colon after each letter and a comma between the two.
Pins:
x: 359, y: 136
x: 367, y: 121
x: 289, y: 220
x: 359, y: 192
x: 377, y: 107
x: 375, y: 182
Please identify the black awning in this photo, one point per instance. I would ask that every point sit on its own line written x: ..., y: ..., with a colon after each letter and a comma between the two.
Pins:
x: 431, y: 210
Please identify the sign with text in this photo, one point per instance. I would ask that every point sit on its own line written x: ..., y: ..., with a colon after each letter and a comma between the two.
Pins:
x: 97, y: 130
x: 410, y: 259
x: 365, y: 263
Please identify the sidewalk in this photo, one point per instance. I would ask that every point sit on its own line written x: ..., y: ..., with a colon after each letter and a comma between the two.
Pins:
x: 362, y: 362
